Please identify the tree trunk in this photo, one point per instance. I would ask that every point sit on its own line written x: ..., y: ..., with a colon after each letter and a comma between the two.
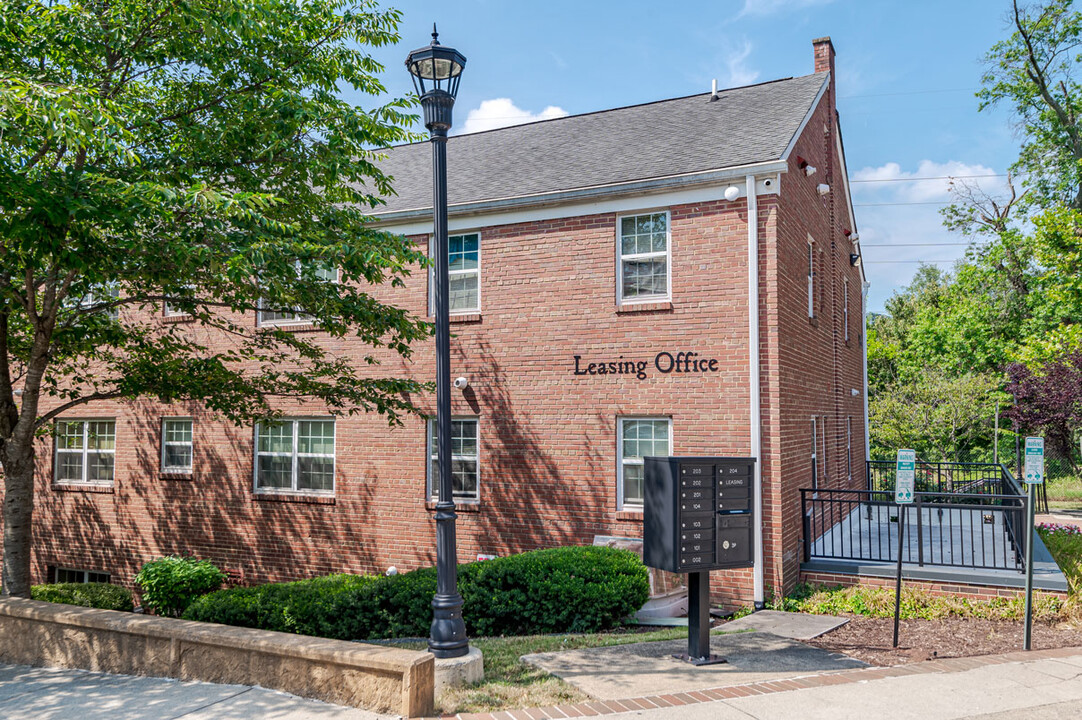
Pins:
x: 18, y: 465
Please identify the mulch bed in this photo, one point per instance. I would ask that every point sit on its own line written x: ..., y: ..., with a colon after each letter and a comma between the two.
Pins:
x: 871, y: 639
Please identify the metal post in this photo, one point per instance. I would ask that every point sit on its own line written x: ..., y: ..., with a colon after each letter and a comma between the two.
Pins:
x: 898, y: 581
x: 448, y: 638
x: 995, y: 447
x: 1026, y: 643
x: 920, y: 533
x: 698, y: 615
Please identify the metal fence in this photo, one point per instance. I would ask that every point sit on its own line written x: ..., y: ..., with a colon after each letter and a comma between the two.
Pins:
x: 945, y: 525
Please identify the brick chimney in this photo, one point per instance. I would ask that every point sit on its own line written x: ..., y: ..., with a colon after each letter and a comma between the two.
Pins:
x: 824, y: 55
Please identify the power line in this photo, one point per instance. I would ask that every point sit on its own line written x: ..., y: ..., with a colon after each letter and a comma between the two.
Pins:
x: 912, y: 92
x: 878, y: 245
x: 900, y: 262
x: 935, y: 177
x: 930, y: 202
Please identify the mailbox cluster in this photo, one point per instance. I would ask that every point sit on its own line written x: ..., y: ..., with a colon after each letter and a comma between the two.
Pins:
x: 697, y: 513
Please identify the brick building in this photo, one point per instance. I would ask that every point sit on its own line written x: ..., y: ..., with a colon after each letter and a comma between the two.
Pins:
x: 610, y: 299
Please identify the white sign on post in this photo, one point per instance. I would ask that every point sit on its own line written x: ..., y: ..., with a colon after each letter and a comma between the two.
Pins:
x: 1034, y: 473
x: 905, y: 476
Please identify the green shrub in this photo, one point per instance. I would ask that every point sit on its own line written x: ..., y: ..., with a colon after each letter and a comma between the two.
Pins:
x: 103, y: 596
x: 170, y: 584
x: 572, y: 589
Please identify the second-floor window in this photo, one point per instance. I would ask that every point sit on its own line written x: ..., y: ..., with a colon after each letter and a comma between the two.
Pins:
x: 274, y: 316
x: 811, y: 278
x: 642, y: 267
x: 463, y: 274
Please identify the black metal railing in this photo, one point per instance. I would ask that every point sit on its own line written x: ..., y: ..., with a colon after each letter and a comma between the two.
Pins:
x: 943, y: 477
x: 945, y: 525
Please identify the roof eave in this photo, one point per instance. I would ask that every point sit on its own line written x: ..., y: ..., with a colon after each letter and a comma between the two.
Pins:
x: 597, y: 192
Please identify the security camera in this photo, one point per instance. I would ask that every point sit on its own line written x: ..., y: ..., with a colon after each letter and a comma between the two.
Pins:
x: 461, y: 383
x: 768, y: 183
x: 809, y: 170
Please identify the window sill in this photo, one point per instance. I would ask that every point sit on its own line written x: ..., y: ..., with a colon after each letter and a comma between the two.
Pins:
x: 291, y: 327
x: 166, y: 475
x: 631, y: 515
x: 460, y: 506
x: 173, y: 319
x: 466, y: 318
x: 293, y: 498
x: 645, y: 307
x: 83, y: 487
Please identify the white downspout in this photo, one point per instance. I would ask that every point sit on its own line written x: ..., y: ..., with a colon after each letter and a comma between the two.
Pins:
x: 864, y: 313
x: 758, y: 590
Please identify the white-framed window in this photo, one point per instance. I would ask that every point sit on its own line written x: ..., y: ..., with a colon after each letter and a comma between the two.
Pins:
x: 811, y: 277
x: 295, y: 456
x: 849, y: 447
x: 643, y: 257
x: 170, y: 311
x: 67, y: 575
x: 85, y: 451
x: 100, y: 294
x: 463, y: 274
x: 269, y: 316
x: 845, y: 306
x: 636, y: 438
x: 176, y: 445
x: 465, y: 459
x: 814, y: 452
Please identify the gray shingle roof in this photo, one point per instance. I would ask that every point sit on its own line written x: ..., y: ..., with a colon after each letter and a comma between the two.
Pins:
x: 671, y: 137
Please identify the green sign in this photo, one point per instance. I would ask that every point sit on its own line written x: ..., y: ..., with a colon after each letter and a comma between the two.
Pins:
x: 1034, y: 470
x: 905, y: 476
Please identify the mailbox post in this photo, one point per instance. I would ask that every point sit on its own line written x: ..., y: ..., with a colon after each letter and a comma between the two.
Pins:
x: 697, y: 517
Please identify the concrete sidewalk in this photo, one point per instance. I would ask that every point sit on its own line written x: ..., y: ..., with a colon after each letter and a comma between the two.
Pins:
x: 28, y: 693
x: 1043, y: 684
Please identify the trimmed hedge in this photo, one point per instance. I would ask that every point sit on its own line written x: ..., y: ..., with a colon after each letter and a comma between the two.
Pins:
x: 170, y: 584
x: 103, y: 596
x: 571, y: 589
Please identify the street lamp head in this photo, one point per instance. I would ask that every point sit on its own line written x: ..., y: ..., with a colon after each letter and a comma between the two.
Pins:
x: 436, y: 70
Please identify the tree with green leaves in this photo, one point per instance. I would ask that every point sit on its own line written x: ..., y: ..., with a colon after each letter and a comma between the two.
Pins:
x: 1035, y: 71
x: 195, y: 155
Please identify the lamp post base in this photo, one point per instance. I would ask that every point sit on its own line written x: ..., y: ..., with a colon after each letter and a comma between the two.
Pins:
x: 456, y: 672
x: 448, y: 635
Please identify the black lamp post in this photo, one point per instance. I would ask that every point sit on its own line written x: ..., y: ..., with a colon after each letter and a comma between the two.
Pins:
x: 436, y: 70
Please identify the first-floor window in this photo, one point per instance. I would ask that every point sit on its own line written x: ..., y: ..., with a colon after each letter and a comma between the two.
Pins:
x: 85, y: 451
x: 849, y: 447
x: 465, y: 459
x: 638, y: 438
x: 66, y: 575
x: 177, y: 445
x: 295, y: 456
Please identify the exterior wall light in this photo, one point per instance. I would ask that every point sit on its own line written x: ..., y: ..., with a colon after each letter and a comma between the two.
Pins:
x: 732, y: 193
x: 822, y: 188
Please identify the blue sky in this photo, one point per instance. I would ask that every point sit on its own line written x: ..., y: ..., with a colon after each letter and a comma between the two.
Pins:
x: 907, y: 74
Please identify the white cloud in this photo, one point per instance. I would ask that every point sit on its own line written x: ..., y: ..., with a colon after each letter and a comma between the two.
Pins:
x: 929, y: 182
x: 769, y: 7
x: 736, y: 64
x: 898, y: 214
x: 501, y: 112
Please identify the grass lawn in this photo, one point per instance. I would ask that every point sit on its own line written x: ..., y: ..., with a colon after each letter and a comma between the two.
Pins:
x: 1066, y: 548
x: 1065, y: 490
x: 511, y: 683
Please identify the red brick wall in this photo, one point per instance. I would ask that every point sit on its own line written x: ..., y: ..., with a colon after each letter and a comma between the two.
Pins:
x: 548, y: 438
